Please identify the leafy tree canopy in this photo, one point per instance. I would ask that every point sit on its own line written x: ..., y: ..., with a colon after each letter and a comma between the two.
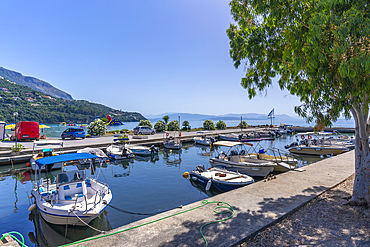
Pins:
x: 145, y: 123
x: 319, y: 51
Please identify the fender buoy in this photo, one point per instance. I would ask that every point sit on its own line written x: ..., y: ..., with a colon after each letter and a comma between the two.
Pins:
x: 180, y: 133
x: 302, y: 136
x: 167, y: 134
x: 309, y: 137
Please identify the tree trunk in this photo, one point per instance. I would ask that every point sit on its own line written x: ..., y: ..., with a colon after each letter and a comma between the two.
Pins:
x: 360, y: 194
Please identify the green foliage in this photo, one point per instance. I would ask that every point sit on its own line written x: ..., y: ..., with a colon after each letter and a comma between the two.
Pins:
x: 243, y: 124
x: 321, y: 52
x: 97, y: 128
x: 165, y: 119
x: 145, y: 123
x: 320, y: 49
x: 186, y: 125
x: 208, y: 125
x: 52, y: 110
x: 221, y: 125
x: 173, y: 125
x: 17, y: 147
x: 159, y: 126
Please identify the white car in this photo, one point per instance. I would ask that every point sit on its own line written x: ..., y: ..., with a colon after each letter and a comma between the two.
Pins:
x: 144, y: 130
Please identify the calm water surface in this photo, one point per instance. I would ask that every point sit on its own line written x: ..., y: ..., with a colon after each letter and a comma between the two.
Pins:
x: 144, y: 185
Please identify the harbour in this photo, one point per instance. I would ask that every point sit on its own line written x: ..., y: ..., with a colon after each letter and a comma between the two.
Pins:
x: 151, y: 184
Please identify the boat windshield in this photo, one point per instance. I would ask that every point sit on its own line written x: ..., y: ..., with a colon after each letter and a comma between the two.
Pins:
x: 72, y: 176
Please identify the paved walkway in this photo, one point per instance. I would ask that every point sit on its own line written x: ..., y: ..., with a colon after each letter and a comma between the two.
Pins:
x: 256, y: 207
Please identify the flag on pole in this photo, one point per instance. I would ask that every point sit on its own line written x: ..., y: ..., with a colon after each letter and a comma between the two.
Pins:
x: 271, y: 113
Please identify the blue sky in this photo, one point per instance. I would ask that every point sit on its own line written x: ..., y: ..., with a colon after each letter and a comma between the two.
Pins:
x: 146, y: 56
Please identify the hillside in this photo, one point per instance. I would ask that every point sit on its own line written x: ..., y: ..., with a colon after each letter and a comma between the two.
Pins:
x: 34, y: 83
x: 33, y: 105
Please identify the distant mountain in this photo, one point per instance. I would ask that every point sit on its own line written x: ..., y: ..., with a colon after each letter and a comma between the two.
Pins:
x: 34, y: 83
x: 230, y: 116
x: 33, y: 105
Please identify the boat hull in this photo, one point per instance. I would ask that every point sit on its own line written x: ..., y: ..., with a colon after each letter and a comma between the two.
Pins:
x: 318, y: 150
x: 249, y: 168
x: 220, y: 185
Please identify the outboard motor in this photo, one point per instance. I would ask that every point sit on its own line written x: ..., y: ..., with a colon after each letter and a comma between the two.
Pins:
x: 240, y: 137
x: 293, y: 144
x: 212, y: 139
x: 153, y: 149
x: 200, y: 168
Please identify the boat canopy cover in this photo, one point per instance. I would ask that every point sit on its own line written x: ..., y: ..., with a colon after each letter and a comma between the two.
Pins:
x: 64, y: 158
x: 227, y: 143
x: 49, y: 142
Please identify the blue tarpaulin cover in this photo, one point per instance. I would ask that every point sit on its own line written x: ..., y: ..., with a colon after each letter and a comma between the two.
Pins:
x: 64, y: 158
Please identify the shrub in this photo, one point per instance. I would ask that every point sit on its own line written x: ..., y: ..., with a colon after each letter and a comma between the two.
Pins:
x: 221, y: 125
x: 159, y: 126
x: 186, y: 125
x: 17, y: 147
x: 243, y: 124
x: 145, y: 123
x: 173, y: 125
x: 97, y: 128
x: 208, y: 125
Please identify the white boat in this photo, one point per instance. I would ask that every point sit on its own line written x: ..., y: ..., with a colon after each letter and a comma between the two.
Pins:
x: 206, y: 140
x: 231, y: 137
x: 142, y: 150
x: 311, y: 143
x: 220, y: 179
x: 75, y: 198
x: 235, y: 160
x: 47, y: 150
x: 172, y: 142
x: 97, y: 151
x: 119, y: 152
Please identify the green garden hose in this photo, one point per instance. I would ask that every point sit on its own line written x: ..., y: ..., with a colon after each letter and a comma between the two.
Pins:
x: 220, y: 205
x: 10, y: 234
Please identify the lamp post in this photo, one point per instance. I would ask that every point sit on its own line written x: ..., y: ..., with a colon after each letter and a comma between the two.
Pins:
x: 241, y: 123
x: 179, y: 123
x: 15, y: 122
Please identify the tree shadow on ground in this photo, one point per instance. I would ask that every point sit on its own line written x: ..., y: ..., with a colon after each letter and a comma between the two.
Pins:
x: 325, y: 221
x: 245, y: 223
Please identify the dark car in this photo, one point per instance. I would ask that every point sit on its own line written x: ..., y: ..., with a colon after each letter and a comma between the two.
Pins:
x: 73, y: 133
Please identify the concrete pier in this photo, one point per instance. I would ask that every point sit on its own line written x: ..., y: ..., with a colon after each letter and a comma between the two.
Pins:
x: 71, y: 146
x: 256, y: 207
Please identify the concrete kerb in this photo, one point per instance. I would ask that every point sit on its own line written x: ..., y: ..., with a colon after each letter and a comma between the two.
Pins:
x: 257, y: 206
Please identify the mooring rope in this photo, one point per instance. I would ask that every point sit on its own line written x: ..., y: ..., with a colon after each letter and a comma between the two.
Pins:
x: 88, y: 224
x: 220, y: 205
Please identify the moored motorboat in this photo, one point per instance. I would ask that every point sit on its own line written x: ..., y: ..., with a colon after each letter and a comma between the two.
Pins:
x: 75, y: 198
x: 47, y: 150
x: 235, y: 160
x: 220, y: 179
x: 172, y: 142
x: 142, y: 150
x: 206, y: 140
x: 312, y: 143
x: 97, y: 151
x: 119, y: 152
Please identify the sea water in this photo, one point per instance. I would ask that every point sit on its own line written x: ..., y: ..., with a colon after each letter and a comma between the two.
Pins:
x: 150, y: 184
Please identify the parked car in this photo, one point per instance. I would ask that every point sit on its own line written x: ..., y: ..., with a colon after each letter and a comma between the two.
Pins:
x: 73, y: 133
x: 144, y: 130
x: 26, y: 130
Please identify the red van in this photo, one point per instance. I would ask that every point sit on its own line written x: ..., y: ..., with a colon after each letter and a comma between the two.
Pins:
x: 26, y: 131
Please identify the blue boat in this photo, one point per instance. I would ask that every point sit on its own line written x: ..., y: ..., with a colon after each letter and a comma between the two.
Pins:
x: 220, y: 179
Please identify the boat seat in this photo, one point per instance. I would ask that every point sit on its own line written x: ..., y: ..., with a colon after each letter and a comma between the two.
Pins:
x: 72, y: 191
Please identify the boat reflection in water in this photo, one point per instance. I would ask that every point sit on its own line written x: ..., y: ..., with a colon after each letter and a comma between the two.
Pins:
x: 172, y: 158
x: 47, y: 234
x: 211, y: 192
